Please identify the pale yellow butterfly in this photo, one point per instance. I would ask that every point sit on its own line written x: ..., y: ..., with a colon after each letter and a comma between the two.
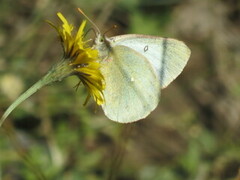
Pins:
x: 136, y: 68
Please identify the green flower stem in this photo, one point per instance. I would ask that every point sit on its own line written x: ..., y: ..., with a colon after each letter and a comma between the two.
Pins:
x: 57, y: 73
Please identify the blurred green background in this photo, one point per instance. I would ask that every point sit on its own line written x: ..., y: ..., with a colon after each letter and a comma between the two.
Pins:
x: 192, y: 135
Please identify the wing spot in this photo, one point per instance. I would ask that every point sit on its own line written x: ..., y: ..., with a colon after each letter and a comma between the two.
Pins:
x: 132, y: 79
x: 145, y: 48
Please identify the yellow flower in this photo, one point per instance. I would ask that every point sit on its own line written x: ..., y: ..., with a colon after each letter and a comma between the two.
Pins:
x: 79, y: 59
x: 83, y: 59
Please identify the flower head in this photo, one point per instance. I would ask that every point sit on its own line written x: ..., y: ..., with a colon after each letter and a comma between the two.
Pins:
x: 79, y: 59
x: 83, y: 59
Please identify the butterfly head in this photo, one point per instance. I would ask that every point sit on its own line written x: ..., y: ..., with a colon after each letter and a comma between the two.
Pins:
x: 102, y: 45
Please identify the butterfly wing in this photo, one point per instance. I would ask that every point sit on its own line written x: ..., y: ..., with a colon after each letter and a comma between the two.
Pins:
x: 168, y: 56
x: 132, y: 87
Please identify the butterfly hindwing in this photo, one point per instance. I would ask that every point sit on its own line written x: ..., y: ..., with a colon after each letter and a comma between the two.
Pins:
x: 132, y: 86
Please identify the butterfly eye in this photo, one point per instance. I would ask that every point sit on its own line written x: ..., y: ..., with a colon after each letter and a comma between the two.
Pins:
x: 102, y: 40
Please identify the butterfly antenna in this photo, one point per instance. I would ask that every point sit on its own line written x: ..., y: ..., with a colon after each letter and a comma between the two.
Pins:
x: 89, y: 20
x: 113, y: 27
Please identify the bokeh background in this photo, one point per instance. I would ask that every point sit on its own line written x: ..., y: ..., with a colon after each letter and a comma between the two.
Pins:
x: 194, y: 134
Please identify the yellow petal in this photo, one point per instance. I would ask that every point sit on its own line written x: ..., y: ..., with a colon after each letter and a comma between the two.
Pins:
x: 80, y: 30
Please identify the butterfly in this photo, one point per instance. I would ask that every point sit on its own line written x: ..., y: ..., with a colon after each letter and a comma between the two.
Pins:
x: 135, y: 68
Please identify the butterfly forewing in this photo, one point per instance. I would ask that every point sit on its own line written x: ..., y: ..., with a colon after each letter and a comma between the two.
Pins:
x: 132, y: 86
x: 168, y: 56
